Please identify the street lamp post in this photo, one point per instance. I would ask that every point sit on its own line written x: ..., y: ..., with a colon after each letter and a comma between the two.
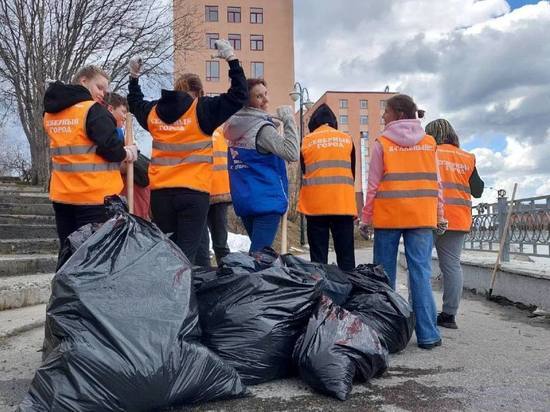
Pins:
x: 301, y: 95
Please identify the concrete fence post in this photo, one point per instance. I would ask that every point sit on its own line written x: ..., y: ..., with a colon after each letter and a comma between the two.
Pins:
x: 502, y: 210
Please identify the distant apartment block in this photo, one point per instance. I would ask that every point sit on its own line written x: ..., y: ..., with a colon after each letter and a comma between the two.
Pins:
x: 260, y: 31
x: 360, y: 115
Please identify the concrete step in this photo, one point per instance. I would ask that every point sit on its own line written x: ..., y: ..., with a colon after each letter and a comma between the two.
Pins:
x: 28, y: 246
x: 15, y: 321
x: 18, y: 265
x: 11, y: 187
x: 27, y: 290
x: 25, y: 209
x: 27, y: 198
x: 27, y: 219
x: 19, y: 231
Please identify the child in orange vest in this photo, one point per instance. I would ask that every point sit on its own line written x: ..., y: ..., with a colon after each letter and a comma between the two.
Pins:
x: 118, y: 106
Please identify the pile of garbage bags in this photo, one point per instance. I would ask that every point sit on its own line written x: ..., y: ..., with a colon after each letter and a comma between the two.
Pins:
x: 123, y: 328
x: 131, y: 326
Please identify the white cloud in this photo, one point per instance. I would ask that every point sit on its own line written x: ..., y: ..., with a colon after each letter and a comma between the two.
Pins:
x: 477, y: 63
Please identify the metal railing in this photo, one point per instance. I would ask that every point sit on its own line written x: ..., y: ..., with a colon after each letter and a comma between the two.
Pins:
x: 529, y: 231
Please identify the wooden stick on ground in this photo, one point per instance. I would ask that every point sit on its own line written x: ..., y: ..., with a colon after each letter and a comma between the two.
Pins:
x: 502, y: 240
x: 129, y: 140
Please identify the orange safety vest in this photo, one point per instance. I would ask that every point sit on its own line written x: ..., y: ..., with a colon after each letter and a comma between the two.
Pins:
x: 182, y: 152
x: 455, y: 168
x: 407, y: 195
x: 327, y: 187
x: 79, y: 176
x: 220, y: 176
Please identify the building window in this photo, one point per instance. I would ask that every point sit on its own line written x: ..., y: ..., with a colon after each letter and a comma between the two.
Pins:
x: 211, y: 13
x: 257, y: 70
x: 256, y: 15
x: 364, y: 104
x: 235, y: 40
x: 256, y: 42
x: 212, y: 71
x: 363, y: 134
x: 234, y: 14
x: 343, y: 103
x: 343, y: 118
x: 382, y: 120
x: 363, y: 119
x: 211, y: 39
x: 382, y: 104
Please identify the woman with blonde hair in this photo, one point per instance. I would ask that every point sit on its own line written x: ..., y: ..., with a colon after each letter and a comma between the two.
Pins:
x: 85, y: 150
x: 181, y: 123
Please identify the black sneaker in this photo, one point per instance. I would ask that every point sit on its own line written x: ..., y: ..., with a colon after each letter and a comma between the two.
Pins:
x: 429, y: 345
x: 447, y: 321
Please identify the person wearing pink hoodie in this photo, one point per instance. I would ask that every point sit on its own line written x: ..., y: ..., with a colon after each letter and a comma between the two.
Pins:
x: 404, y: 198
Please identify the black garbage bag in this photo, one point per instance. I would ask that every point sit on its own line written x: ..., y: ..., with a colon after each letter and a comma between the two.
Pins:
x: 334, y: 282
x: 382, y: 308
x: 251, y: 314
x: 124, y: 321
x: 336, y: 348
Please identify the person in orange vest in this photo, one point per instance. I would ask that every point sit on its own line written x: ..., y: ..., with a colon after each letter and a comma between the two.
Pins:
x: 220, y: 198
x: 181, y: 123
x: 460, y: 181
x: 404, y: 199
x: 327, y: 195
x: 85, y: 150
x: 118, y: 106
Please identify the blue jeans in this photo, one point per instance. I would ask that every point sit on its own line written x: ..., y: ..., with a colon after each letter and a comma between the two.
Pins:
x: 261, y: 230
x: 418, y: 251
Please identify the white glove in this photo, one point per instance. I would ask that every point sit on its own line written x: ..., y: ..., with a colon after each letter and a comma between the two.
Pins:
x: 131, y: 153
x: 442, y: 227
x: 225, y: 50
x: 285, y: 112
x: 134, y: 66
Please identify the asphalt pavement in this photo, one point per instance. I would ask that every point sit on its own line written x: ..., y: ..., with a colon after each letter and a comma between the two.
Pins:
x: 498, y: 359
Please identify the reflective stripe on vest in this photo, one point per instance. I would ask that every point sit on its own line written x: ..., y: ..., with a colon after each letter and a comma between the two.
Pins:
x: 455, y: 167
x: 458, y: 186
x: 398, y: 194
x: 182, y: 153
x: 219, y: 191
x: 181, y: 147
x: 328, y: 164
x: 455, y: 201
x: 407, y: 195
x: 78, y: 175
x: 85, y: 167
x: 403, y: 177
x: 331, y: 180
x: 72, y: 150
x: 171, y: 161
x: 328, y: 184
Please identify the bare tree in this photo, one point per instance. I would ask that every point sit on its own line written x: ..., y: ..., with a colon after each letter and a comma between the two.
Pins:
x: 52, y: 39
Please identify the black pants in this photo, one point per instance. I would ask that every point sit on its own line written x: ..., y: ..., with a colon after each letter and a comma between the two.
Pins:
x: 341, y: 228
x: 181, y: 213
x: 69, y: 218
x: 217, y: 223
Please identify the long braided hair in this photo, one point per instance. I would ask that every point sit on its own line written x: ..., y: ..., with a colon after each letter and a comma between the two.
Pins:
x: 442, y: 132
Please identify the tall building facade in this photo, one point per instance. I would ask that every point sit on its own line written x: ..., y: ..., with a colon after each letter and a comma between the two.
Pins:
x: 360, y: 115
x: 260, y: 31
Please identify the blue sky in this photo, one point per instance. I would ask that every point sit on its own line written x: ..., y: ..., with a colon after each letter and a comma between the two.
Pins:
x: 514, y: 4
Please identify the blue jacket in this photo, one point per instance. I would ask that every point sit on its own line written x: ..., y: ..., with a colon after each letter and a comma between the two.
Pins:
x: 259, y: 183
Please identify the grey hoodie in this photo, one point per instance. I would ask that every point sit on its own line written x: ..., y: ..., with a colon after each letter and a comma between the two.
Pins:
x: 254, y: 128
